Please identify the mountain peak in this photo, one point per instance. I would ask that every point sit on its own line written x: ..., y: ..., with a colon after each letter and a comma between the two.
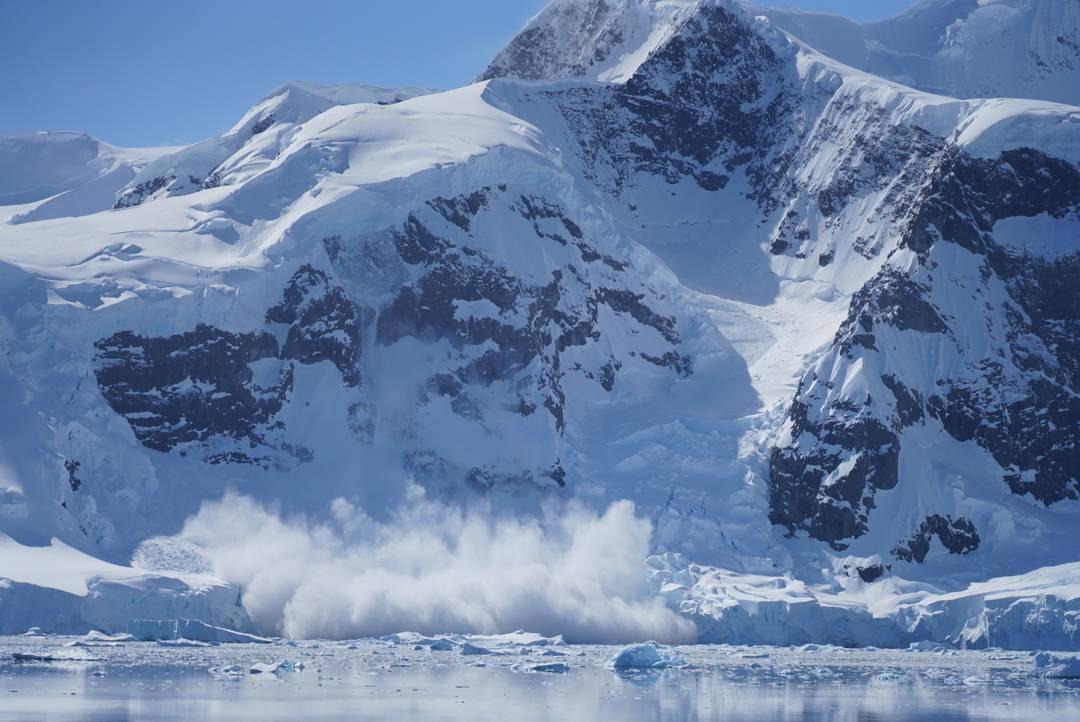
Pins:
x: 596, y: 39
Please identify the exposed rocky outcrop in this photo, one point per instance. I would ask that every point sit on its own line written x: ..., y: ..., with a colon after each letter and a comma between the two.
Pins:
x: 194, y: 389
x: 958, y: 536
x: 1017, y: 401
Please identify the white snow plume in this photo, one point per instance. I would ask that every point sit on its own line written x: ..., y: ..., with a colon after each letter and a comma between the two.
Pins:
x: 434, y: 568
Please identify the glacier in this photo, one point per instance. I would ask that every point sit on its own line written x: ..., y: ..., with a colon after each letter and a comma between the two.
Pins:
x: 791, y: 329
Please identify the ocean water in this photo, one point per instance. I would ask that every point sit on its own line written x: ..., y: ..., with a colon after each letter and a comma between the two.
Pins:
x: 57, y: 678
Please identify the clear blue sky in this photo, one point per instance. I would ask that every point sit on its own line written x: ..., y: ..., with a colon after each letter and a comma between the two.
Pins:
x: 166, y: 72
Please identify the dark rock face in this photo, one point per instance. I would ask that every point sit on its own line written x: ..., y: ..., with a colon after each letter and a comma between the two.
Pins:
x: 323, y: 323
x: 713, y: 98
x: 460, y: 211
x: 72, y: 468
x: 141, y: 192
x: 514, y: 331
x: 713, y: 112
x: 892, y: 299
x: 1021, y: 405
x: 870, y: 573
x: 531, y: 326
x: 540, y: 52
x: 957, y: 535
x: 263, y: 124
x: 1015, y: 400
x: 189, y: 389
x: 829, y: 488
x: 968, y: 195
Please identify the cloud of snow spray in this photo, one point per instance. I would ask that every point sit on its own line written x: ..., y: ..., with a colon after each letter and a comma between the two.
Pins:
x: 436, y: 569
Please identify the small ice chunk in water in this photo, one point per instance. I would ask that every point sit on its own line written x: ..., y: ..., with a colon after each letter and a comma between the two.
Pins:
x: 551, y: 668
x: 275, y: 667
x: 229, y: 670
x: 472, y: 649
x: 441, y: 645
x: 642, y: 656
x: 31, y: 657
x: 95, y: 638
x: 1056, y: 666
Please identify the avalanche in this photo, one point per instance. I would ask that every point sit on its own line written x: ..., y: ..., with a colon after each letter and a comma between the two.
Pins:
x: 814, y: 321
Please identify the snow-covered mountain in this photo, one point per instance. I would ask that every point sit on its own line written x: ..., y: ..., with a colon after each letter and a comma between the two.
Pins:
x: 820, y: 328
x: 963, y: 48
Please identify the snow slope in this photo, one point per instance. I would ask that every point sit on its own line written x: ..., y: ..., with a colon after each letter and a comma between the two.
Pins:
x: 252, y: 143
x: 51, y: 175
x: 819, y: 327
x: 963, y: 48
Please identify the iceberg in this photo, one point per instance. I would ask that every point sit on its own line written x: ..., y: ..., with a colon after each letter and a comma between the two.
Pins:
x: 642, y: 656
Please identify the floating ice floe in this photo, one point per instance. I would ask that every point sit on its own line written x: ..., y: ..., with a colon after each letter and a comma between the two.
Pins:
x: 472, y: 649
x: 520, y: 638
x: 551, y: 668
x: 491, y: 642
x: 228, y: 670
x: 95, y: 638
x: 275, y: 667
x: 642, y: 656
x: 31, y: 657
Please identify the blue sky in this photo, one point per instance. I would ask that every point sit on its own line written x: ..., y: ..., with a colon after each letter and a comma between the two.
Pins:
x: 153, y: 72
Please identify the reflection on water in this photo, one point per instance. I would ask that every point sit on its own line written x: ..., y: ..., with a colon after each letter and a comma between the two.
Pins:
x: 376, y: 684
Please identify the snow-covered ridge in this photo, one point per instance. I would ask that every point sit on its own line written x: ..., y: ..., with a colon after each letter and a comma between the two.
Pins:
x: 55, y: 174
x: 253, y: 143
x: 600, y: 39
x: 962, y: 48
